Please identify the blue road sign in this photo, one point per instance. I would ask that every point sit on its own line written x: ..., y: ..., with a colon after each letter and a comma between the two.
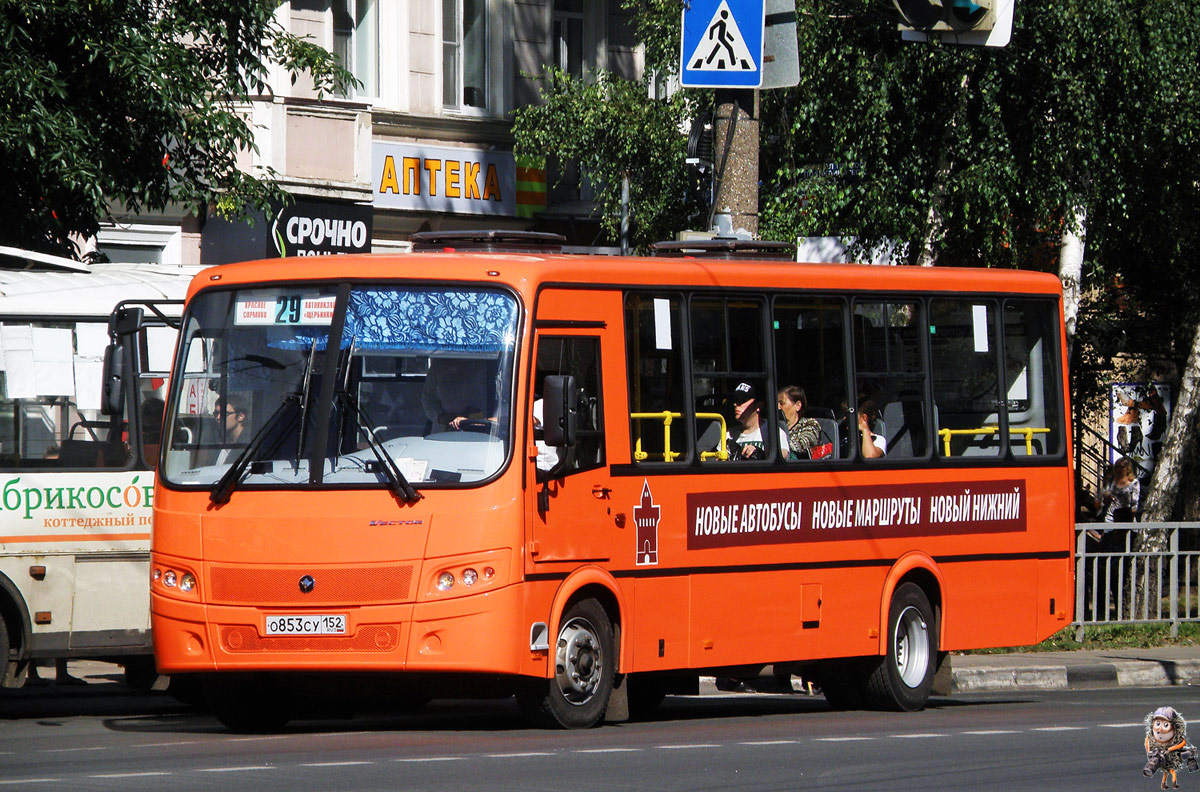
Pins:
x: 722, y: 44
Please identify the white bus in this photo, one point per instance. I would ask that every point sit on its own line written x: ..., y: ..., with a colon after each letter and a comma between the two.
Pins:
x: 76, y: 483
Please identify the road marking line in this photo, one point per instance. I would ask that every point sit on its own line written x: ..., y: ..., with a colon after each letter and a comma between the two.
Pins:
x: 130, y: 775
x: 256, y: 739
x: 1121, y: 725
x: 519, y: 755
x: 433, y: 759
x: 842, y: 739
x: 693, y: 746
x: 71, y: 750
x: 166, y: 744
x: 334, y: 764
x: 32, y: 781
x: 233, y: 769
x: 1059, y: 728
x: 770, y: 742
x: 607, y: 750
x: 991, y: 731
x: 916, y: 735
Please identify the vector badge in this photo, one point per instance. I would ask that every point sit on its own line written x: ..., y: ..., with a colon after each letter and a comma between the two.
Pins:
x: 646, y: 516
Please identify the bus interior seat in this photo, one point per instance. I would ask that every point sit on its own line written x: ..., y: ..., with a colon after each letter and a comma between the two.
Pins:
x: 907, y: 419
x: 80, y: 453
x: 708, y: 430
x: 829, y: 434
x: 709, y: 438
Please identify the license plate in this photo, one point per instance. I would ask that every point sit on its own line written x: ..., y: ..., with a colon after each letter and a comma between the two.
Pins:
x: 311, y: 624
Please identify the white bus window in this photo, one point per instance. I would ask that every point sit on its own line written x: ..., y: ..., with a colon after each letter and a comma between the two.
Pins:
x: 49, y: 400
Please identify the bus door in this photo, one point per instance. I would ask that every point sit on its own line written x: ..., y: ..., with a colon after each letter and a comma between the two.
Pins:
x: 137, y: 367
x: 572, y: 506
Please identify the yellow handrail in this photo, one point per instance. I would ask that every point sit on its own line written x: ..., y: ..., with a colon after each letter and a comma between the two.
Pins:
x: 666, y: 416
x: 1028, y: 431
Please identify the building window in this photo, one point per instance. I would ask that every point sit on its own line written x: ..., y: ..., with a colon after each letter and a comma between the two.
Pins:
x: 567, y: 37
x: 356, y: 42
x: 464, y: 54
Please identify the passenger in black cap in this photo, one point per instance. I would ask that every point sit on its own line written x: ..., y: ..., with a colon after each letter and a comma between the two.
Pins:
x: 749, y: 411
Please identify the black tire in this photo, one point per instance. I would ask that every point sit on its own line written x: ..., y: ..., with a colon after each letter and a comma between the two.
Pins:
x: 903, y: 678
x: 186, y: 689
x: 584, y: 666
x: 4, y: 649
x: 841, y: 682
x: 248, y: 704
x: 645, y: 693
x: 140, y: 672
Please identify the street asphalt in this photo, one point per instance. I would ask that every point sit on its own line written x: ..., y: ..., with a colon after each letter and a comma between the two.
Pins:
x: 1106, y: 668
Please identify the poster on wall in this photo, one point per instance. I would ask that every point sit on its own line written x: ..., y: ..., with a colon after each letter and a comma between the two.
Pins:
x: 1138, y: 416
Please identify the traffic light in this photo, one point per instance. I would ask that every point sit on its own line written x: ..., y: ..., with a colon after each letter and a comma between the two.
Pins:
x: 986, y: 22
x: 928, y: 15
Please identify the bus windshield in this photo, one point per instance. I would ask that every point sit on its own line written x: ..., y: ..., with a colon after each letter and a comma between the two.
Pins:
x: 350, y: 385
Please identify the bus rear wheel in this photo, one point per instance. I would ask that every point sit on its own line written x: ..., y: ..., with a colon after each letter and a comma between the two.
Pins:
x: 4, y: 648
x: 584, y: 666
x: 903, y: 678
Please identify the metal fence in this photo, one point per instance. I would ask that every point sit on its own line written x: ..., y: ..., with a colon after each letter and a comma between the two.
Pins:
x: 1116, y: 583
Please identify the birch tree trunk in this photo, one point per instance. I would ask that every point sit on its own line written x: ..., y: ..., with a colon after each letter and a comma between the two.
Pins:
x: 1158, y: 500
x: 1070, y: 271
x: 1158, y: 503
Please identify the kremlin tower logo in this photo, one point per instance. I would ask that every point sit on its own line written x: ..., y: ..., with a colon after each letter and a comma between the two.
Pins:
x: 645, y: 517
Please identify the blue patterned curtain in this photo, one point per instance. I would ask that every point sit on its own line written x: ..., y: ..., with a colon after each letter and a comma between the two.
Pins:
x: 431, y: 321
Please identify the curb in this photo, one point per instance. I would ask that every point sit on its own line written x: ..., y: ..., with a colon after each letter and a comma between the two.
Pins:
x: 1116, y: 673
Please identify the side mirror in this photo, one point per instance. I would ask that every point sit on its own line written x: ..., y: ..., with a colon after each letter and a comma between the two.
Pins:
x: 126, y: 320
x: 560, y: 406
x: 112, y: 394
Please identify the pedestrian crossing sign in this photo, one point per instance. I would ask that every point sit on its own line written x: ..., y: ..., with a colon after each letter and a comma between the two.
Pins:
x: 722, y: 44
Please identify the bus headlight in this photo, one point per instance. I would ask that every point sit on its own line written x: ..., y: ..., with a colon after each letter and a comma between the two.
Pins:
x: 174, y: 580
x: 469, y: 577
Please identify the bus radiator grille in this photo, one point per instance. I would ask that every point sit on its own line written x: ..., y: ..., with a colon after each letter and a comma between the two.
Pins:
x: 370, y: 638
x: 332, y: 586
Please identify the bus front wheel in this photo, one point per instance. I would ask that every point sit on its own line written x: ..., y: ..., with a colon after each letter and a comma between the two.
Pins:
x: 584, y: 666
x: 903, y: 678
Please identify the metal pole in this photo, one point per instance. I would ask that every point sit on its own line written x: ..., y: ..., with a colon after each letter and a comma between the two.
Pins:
x: 625, y: 213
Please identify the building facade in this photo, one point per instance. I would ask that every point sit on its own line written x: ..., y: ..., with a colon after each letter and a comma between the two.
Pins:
x: 423, y: 142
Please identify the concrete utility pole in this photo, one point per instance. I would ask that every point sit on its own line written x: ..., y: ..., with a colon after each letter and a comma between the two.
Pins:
x: 735, y: 148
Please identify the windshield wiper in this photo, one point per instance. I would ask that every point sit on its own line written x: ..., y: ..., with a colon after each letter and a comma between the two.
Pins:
x: 397, y: 483
x: 304, y: 401
x: 225, y: 485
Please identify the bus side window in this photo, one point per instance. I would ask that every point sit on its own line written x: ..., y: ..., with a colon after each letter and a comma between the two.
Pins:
x: 1032, y: 388
x: 810, y: 353
x: 654, y: 333
x: 889, y: 368
x: 728, y: 362
x: 966, y: 377
x: 578, y: 356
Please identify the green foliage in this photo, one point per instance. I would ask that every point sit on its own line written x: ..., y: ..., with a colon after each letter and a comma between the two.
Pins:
x: 1110, y: 636
x: 608, y: 128
x: 1088, y: 99
x: 657, y: 24
x: 136, y: 104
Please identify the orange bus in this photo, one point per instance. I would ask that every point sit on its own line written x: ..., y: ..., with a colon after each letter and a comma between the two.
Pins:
x: 515, y: 471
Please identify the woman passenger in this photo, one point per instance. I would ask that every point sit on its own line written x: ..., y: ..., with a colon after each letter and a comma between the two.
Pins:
x: 803, y: 433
